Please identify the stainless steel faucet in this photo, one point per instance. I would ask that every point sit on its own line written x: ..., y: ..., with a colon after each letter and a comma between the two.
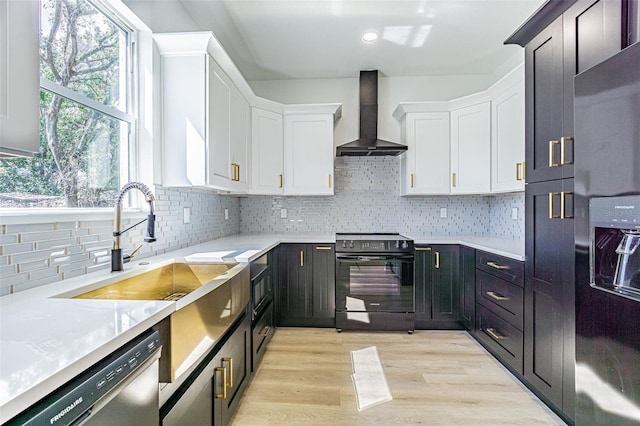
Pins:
x: 117, y: 259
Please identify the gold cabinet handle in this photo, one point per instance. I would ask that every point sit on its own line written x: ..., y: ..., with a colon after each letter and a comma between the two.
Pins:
x: 497, y: 266
x: 437, y: 260
x: 518, y: 171
x: 265, y: 331
x: 552, y: 163
x: 238, y: 178
x: 423, y: 248
x: 524, y: 170
x: 301, y: 258
x: 563, y: 150
x: 493, y: 333
x: 496, y: 296
x: 453, y: 180
x: 230, y: 375
x: 552, y: 215
x: 222, y: 395
x: 329, y: 181
x: 563, y: 212
x: 280, y: 181
x: 323, y: 248
x: 412, y: 180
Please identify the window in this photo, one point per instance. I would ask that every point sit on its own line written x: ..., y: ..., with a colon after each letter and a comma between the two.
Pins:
x: 85, y: 112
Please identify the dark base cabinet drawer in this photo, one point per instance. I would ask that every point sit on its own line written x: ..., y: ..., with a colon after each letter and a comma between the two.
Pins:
x: 261, y: 334
x: 501, y: 297
x: 500, y: 337
x: 503, y: 267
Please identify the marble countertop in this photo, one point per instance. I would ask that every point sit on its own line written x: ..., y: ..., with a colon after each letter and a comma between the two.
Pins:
x: 46, y: 340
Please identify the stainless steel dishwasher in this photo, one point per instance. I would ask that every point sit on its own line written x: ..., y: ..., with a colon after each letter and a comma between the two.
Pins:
x: 121, y: 389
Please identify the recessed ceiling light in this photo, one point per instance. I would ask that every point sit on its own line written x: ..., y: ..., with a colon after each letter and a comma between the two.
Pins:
x: 369, y: 37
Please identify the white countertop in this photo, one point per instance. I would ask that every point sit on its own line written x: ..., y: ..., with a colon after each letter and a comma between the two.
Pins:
x: 46, y: 341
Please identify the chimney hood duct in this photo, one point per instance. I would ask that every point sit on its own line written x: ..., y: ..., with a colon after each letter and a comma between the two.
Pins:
x: 368, y: 144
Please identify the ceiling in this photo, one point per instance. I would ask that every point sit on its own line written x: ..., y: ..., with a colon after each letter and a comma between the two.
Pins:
x: 298, y: 39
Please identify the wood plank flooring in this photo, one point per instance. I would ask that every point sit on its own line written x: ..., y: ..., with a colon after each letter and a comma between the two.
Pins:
x: 435, y: 378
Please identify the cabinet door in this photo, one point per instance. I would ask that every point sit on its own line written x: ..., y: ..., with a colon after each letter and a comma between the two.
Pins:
x: 308, y: 152
x: 549, y: 278
x: 425, y: 166
x: 239, y: 138
x: 294, y: 297
x: 219, y: 155
x: 235, y: 357
x: 507, y: 140
x: 471, y: 149
x: 19, y: 78
x: 267, y: 153
x: 544, y: 104
x: 445, y: 290
x: 184, y: 129
x: 323, y: 284
x: 423, y: 267
x: 467, y: 287
x: 195, y: 406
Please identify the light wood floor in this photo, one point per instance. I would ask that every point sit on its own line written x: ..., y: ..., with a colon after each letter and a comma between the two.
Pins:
x: 435, y: 378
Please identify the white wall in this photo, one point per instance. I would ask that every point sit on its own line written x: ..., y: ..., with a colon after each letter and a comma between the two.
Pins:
x: 391, y: 91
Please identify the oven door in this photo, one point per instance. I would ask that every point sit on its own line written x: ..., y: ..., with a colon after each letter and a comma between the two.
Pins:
x: 374, y: 282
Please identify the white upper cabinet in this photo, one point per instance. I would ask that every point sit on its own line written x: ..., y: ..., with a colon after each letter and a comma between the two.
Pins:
x: 308, y: 149
x: 267, y: 152
x: 425, y: 164
x: 205, y: 117
x: 507, y: 140
x: 19, y: 77
x: 471, y: 149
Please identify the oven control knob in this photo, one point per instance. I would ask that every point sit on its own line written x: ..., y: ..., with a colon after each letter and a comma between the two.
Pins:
x: 344, y: 243
x: 397, y: 244
x: 351, y: 244
x: 405, y: 245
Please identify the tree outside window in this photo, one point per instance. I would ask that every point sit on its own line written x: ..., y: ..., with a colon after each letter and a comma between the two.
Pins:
x: 84, y: 120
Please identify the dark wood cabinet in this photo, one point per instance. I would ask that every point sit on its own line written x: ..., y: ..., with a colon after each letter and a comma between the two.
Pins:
x: 467, y: 288
x: 561, y: 40
x: 212, y: 393
x: 306, y: 280
x: 437, y: 287
x: 500, y: 308
x: 549, y: 300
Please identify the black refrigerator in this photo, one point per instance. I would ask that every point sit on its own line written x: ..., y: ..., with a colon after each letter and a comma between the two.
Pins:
x: 607, y: 233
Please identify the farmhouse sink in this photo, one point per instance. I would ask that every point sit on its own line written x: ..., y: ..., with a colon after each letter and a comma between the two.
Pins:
x: 208, y: 297
x: 168, y: 282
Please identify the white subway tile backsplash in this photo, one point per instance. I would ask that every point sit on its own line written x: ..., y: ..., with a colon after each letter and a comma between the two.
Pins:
x: 9, y: 249
x: 26, y: 237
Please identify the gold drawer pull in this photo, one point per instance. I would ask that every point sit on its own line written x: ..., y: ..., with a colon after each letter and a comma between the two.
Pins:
x: 323, y: 248
x: 265, y: 331
x: 222, y: 395
x: 423, y: 248
x: 496, y: 296
x: 496, y: 266
x: 563, y: 213
x: 552, y: 163
x: 552, y: 214
x: 437, y: 260
x: 301, y: 258
x: 563, y: 149
x: 493, y: 333
x: 230, y: 361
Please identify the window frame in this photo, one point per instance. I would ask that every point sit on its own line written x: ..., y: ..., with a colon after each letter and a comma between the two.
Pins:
x: 139, y: 58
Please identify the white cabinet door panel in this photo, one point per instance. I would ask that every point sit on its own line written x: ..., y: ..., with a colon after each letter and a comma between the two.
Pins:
x: 308, y: 154
x: 507, y: 140
x: 427, y: 157
x: 267, y: 151
x: 471, y: 150
x: 219, y: 150
x: 239, y: 134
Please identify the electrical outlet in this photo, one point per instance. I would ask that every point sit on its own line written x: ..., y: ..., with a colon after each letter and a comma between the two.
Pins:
x: 186, y: 215
x: 514, y: 213
x: 226, y: 214
x: 283, y: 213
x: 443, y: 212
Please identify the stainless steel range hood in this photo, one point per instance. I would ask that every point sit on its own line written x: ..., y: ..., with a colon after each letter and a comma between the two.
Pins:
x: 368, y: 144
